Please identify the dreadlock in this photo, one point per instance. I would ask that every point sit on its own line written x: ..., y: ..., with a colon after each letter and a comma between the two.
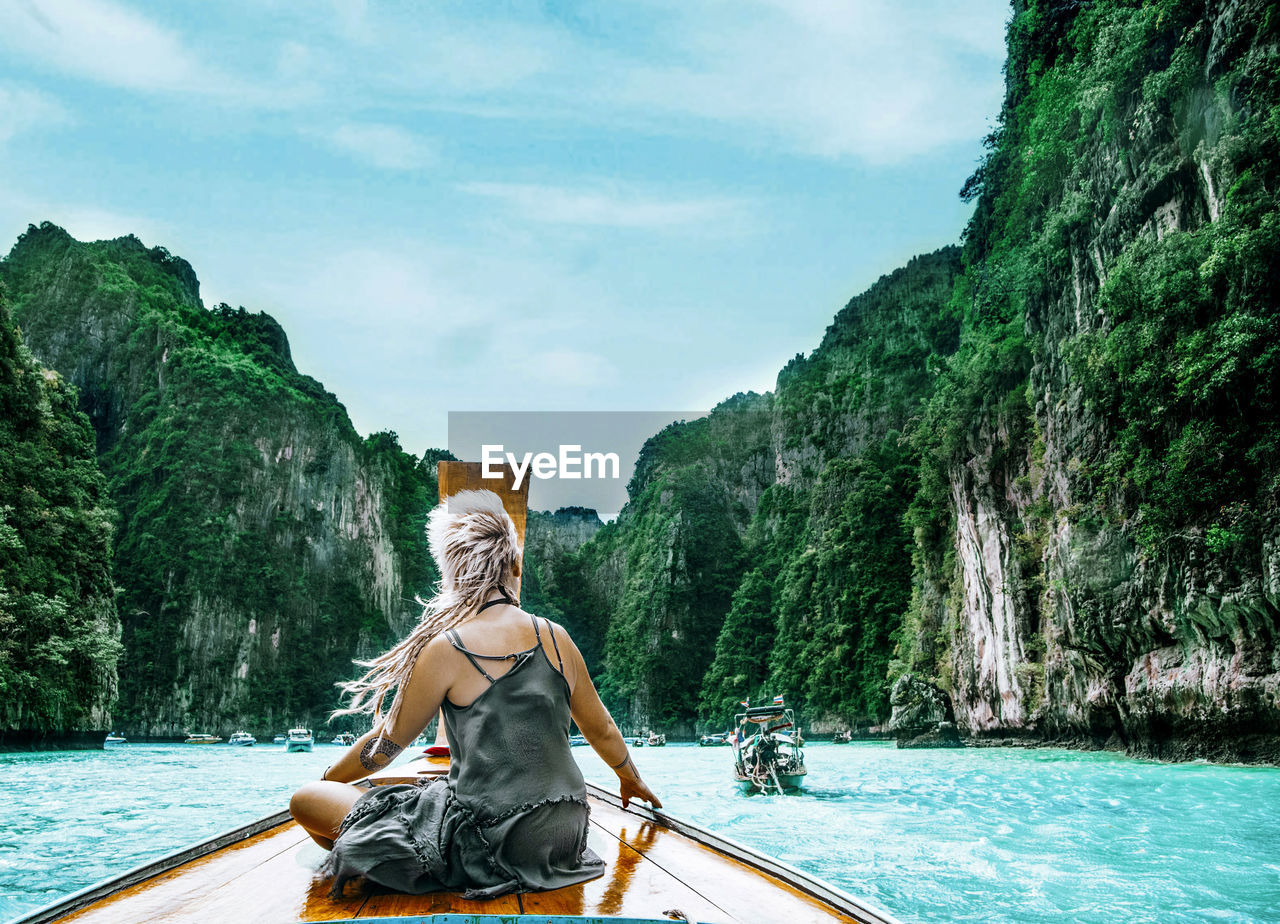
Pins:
x: 473, y: 540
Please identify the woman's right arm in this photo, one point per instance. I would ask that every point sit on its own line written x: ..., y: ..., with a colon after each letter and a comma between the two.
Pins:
x: 598, y: 727
x: 423, y: 692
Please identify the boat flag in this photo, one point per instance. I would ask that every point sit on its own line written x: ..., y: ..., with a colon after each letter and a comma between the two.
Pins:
x: 777, y: 700
x: 745, y: 702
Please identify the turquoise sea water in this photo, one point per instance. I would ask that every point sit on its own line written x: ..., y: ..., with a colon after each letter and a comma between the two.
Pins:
x: 993, y: 835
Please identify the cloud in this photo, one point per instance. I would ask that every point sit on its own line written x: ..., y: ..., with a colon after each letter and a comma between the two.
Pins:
x: 100, y: 40
x: 112, y: 44
x: 387, y: 147
x: 24, y: 109
x: 609, y: 207
x: 876, y: 81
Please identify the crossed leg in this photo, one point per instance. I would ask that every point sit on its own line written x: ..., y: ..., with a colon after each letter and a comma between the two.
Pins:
x: 319, y: 808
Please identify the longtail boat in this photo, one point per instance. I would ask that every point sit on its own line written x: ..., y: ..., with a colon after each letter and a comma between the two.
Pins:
x: 659, y: 868
x: 764, y: 758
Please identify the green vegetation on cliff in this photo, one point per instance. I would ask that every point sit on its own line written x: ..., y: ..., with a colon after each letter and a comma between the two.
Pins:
x: 262, y: 542
x: 1183, y: 363
x: 58, y: 625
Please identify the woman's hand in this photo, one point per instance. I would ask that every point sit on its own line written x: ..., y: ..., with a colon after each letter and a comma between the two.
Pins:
x: 630, y: 788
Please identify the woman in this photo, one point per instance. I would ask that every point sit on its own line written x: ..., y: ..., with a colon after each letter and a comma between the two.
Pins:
x: 512, y: 815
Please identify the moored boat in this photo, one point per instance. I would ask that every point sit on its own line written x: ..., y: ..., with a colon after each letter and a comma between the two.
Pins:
x: 113, y: 739
x: 656, y: 740
x: 242, y: 739
x: 716, y: 740
x: 659, y: 868
x: 202, y: 739
x: 577, y: 741
x: 765, y: 757
x: 346, y: 739
x: 299, y: 739
x: 278, y: 739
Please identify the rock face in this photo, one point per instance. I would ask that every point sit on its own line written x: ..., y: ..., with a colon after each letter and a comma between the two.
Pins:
x: 1085, y: 396
x: 262, y: 543
x: 922, y: 715
x: 1098, y: 594
x: 763, y: 549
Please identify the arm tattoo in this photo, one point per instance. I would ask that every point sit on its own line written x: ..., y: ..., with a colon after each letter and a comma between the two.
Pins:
x: 378, y: 752
x: 625, y: 762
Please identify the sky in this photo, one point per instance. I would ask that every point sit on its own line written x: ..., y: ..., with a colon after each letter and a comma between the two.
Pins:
x: 621, y: 206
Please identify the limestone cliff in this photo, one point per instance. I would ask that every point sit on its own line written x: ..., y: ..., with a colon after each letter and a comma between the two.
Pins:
x: 1039, y: 471
x: 262, y: 542
x: 1115, y: 533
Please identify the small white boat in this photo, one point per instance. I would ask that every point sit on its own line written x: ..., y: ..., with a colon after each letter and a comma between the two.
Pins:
x: 202, y: 739
x: 346, y: 739
x: 299, y: 739
x: 113, y: 739
x: 278, y: 739
x: 577, y: 741
x: 242, y: 739
x: 656, y: 740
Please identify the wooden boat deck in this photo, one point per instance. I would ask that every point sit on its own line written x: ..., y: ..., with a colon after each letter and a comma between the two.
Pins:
x: 658, y: 868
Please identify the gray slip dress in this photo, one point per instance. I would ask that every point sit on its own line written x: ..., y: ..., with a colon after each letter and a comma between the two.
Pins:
x: 512, y: 815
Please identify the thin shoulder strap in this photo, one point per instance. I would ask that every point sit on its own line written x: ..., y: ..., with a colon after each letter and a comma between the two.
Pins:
x: 457, y: 643
x: 552, y: 633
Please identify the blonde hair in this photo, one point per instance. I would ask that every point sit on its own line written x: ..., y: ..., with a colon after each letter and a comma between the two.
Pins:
x: 474, y: 542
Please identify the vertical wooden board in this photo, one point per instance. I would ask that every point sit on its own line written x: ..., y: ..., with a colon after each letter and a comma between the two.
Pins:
x: 469, y: 476
x: 630, y: 887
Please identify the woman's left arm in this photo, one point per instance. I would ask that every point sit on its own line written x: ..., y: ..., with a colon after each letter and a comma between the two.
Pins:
x: 420, y: 699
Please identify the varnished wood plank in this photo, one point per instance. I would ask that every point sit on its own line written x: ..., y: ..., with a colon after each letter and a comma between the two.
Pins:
x: 631, y: 886
x: 745, y: 893
x: 166, y: 897
x: 282, y: 890
x: 393, y: 903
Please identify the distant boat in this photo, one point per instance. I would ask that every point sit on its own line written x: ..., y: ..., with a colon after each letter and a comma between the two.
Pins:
x: 577, y: 741
x: 843, y: 737
x: 202, y: 739
x: 346, y: 739
x: 114, y: 738
x: 656, y: 740
x: 718, y: 740
x: 299, y: 739
x: 278, y: 739
x: 242, y: 739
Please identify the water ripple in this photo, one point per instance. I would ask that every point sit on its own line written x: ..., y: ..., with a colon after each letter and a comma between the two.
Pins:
x: 990, y: 835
